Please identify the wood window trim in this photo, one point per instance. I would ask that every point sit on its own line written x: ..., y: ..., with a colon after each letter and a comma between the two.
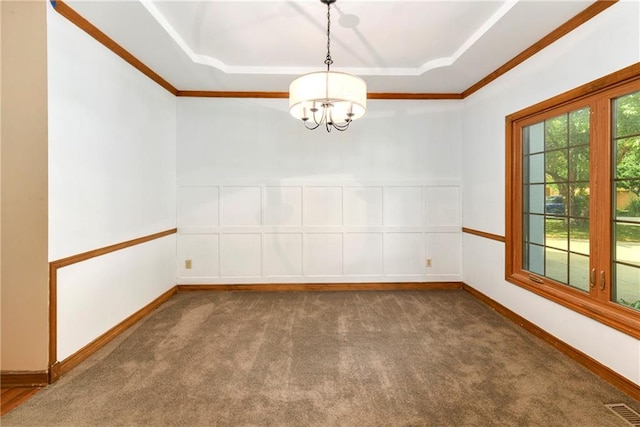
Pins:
x: 591, y: 305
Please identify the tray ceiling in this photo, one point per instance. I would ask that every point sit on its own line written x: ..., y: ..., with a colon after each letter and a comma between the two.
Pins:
x: 412, y: 46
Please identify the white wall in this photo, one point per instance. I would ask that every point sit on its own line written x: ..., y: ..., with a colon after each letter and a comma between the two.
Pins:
x: 261, y: 199
x: 111, y: 179
x: 607, y: 43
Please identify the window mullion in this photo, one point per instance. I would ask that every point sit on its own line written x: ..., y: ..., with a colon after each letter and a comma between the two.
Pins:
x: 600, y: 200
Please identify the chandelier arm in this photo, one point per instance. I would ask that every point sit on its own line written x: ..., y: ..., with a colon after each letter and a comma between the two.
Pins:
x: 315, y: 119
x: 328, y: 123
x: 343, y: 127
x: 311, y: 127
x: 324, y: 112
x: 338, y: 125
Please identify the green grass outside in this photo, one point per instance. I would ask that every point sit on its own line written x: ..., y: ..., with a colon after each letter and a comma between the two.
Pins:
x: 580, y: 230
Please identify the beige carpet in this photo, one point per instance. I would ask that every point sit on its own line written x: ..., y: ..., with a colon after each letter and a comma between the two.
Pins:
x: 403, y: 358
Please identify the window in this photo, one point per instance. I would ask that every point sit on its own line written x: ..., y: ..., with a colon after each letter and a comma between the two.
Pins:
x: 573, y: 199
x: 626, y: 200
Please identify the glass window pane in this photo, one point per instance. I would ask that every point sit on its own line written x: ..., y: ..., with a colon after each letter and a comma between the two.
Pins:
x: 579, y: 200
x: 627, y: 203
x: 628, y: 157
x: 555, y: 175
x: 534, y: 261
x: 556, y: 233
x: 579, y: 126
x: 536, y: 229
x: 627, y: 241
x: 579, y: 272
x: 556, y: 132
x: 556, y: 166
x: 536, y: 199
x: 626, y: 290
x: 627, y: 109
x: 534, y: 138
x: 579, y: 236
x: 557, y: 263
x: 554, y: 203
x: 536, y: 168
x: 579, y: 163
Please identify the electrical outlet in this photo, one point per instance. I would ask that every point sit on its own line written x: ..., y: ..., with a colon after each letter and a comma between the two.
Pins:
x: 187, y: 264
x: 428, y: 262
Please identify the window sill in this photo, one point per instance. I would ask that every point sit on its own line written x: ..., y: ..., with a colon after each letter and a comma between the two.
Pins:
x: 611, y: 314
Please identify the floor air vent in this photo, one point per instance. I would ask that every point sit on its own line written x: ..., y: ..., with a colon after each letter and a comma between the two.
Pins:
x: 626, y: 413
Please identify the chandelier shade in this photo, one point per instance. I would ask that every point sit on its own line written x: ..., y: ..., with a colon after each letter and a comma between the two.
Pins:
x: 328, y: 98
x: 342, y: 95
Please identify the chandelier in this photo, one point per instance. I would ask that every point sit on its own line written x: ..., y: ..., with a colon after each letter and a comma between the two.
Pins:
x: 328, y: 98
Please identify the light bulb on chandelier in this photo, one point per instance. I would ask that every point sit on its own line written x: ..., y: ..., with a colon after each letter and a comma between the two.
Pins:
x: 328, y: 98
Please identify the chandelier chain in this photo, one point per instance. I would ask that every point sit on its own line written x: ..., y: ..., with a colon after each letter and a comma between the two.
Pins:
x: 328, y: 59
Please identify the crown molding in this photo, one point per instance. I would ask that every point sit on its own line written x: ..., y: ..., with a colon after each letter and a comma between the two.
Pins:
x: 573, y: 23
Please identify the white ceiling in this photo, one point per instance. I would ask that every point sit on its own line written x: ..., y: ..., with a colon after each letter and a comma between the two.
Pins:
x: 402, y: 46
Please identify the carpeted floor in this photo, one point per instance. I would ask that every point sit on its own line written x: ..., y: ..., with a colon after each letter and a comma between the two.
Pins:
x: 371, y: 358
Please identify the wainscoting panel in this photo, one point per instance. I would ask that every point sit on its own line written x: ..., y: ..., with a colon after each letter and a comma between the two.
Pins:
x: 282, y: 254
x: 403, y: 206
x: 306, y: 232
x: 363, y: 254
x: 323, y: 254
x: 322, y: 206
x: 203, y: 250
x: 363, y: 206
x: 442, y: 206
x: 445, y: 252
x: 241, y: 255
x: 282, y: 206
x: 198, y: 206
x: 241, y: 206
x: 404, y: 254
